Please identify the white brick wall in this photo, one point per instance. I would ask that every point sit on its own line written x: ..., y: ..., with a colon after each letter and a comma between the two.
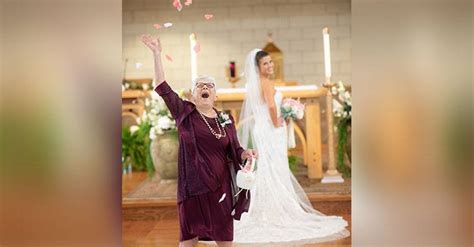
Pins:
x: 238, y: 27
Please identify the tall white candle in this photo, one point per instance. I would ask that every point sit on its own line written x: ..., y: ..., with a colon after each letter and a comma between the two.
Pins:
x: 193, y: 42
x: 327, y: 54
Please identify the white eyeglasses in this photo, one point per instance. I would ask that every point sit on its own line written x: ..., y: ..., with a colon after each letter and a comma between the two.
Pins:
x: 208, y: 85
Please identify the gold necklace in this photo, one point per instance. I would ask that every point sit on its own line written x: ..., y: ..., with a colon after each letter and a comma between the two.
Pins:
x: 221, y: 131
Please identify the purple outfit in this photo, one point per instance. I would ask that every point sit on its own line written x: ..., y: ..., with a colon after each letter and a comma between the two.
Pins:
x: 206, y: 173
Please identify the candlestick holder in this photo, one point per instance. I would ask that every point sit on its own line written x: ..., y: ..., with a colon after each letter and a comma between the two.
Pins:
x: 233, y: 80
x: 331, y: 175
x: 231, y: 74
x: 328, y: 84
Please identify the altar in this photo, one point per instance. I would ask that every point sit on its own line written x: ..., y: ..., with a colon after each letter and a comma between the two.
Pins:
x: 308, y: 131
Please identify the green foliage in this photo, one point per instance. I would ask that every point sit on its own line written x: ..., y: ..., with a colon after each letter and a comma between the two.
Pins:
x: 287, y: 113
x: 136, y: 147
x: 293, y: 161
x: 343, y: 131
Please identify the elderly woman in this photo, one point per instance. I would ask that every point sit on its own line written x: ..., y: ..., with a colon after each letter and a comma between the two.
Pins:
x: 209, y: 156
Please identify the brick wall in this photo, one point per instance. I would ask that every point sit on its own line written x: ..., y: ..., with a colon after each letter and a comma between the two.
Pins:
x: 238, y: 27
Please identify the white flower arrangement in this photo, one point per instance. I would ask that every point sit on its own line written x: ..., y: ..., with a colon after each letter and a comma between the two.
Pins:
x: 343, y: 104
x: 133, y: 85
x: 159, y: 116
x: 343, y: 112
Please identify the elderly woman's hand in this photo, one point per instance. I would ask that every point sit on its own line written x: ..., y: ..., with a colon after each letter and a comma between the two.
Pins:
x: 153, y: 44
x: 249, y: 154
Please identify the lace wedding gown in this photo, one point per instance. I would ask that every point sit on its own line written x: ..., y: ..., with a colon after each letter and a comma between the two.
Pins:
x: 280, y: 210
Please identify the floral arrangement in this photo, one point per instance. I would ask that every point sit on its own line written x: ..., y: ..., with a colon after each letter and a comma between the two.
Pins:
x: 291, y: 108
x: 126, y: 85
x: 159, y: 116
x: 344, y: 101
x: 136, y: 139
x: 343, y: 114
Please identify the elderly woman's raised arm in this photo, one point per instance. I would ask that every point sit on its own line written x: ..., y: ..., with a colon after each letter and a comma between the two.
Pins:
x: 174, y: 103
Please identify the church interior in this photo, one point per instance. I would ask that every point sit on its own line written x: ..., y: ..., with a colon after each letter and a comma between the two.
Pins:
x: 310, y: 44
x: 399, y: 173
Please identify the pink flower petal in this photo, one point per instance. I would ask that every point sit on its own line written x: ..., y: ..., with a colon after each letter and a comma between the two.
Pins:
x: 168, y: 24
x: 208, y: 16
x: 157, y: 26
x: 169, y: 58
x: 222, y: 197
x: 197, y: 48
x: 188, y: 2
x: 177, y: 5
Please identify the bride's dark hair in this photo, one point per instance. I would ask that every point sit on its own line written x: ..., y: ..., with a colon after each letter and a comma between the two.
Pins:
x: 260, y: 55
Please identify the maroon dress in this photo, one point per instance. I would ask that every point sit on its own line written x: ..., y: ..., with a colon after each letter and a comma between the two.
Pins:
x: 207, y: 215
x: 206, y: 171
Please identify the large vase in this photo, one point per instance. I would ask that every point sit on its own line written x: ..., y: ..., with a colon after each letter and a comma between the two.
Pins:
x: 164, y: 152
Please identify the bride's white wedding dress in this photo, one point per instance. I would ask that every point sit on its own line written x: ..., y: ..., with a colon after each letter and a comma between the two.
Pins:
x: 279, y: 209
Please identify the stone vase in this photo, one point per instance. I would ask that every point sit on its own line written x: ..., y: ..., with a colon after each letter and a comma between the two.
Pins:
x: 164, y: 152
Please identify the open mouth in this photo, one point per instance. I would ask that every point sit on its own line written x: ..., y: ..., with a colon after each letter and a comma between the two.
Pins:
x: 205, y: 95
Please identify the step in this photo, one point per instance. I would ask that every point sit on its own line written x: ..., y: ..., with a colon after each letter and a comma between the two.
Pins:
x: 165, y: 208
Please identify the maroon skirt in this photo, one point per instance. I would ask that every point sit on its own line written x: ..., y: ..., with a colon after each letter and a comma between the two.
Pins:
x: 207, y: 216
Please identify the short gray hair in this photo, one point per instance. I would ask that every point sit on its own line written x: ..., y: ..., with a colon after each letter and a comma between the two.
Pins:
x: 203, y: 78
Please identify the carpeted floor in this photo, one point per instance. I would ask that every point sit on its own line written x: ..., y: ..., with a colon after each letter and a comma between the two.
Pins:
x: 154, y: 188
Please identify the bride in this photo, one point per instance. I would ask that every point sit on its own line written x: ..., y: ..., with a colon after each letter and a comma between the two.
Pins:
x: 280, y: 210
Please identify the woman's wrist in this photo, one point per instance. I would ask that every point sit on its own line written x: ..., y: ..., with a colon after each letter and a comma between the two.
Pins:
x: 275, y: 122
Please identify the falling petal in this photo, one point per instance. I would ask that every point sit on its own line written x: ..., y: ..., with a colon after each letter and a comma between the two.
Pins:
x: 169, y: 58
x: 197, y: 48
x: 177, y: 5
x: 188, y: 2
x: 138, y: 65
x: 208, y: 16
x: 222, y: 198
x: 168, y: 24
x: 157, y: 26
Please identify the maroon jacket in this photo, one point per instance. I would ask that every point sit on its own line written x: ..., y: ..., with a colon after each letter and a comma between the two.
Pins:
x: 194, y: 176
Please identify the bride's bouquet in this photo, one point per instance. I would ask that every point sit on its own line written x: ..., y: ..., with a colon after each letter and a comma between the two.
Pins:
x: 291, y: 110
